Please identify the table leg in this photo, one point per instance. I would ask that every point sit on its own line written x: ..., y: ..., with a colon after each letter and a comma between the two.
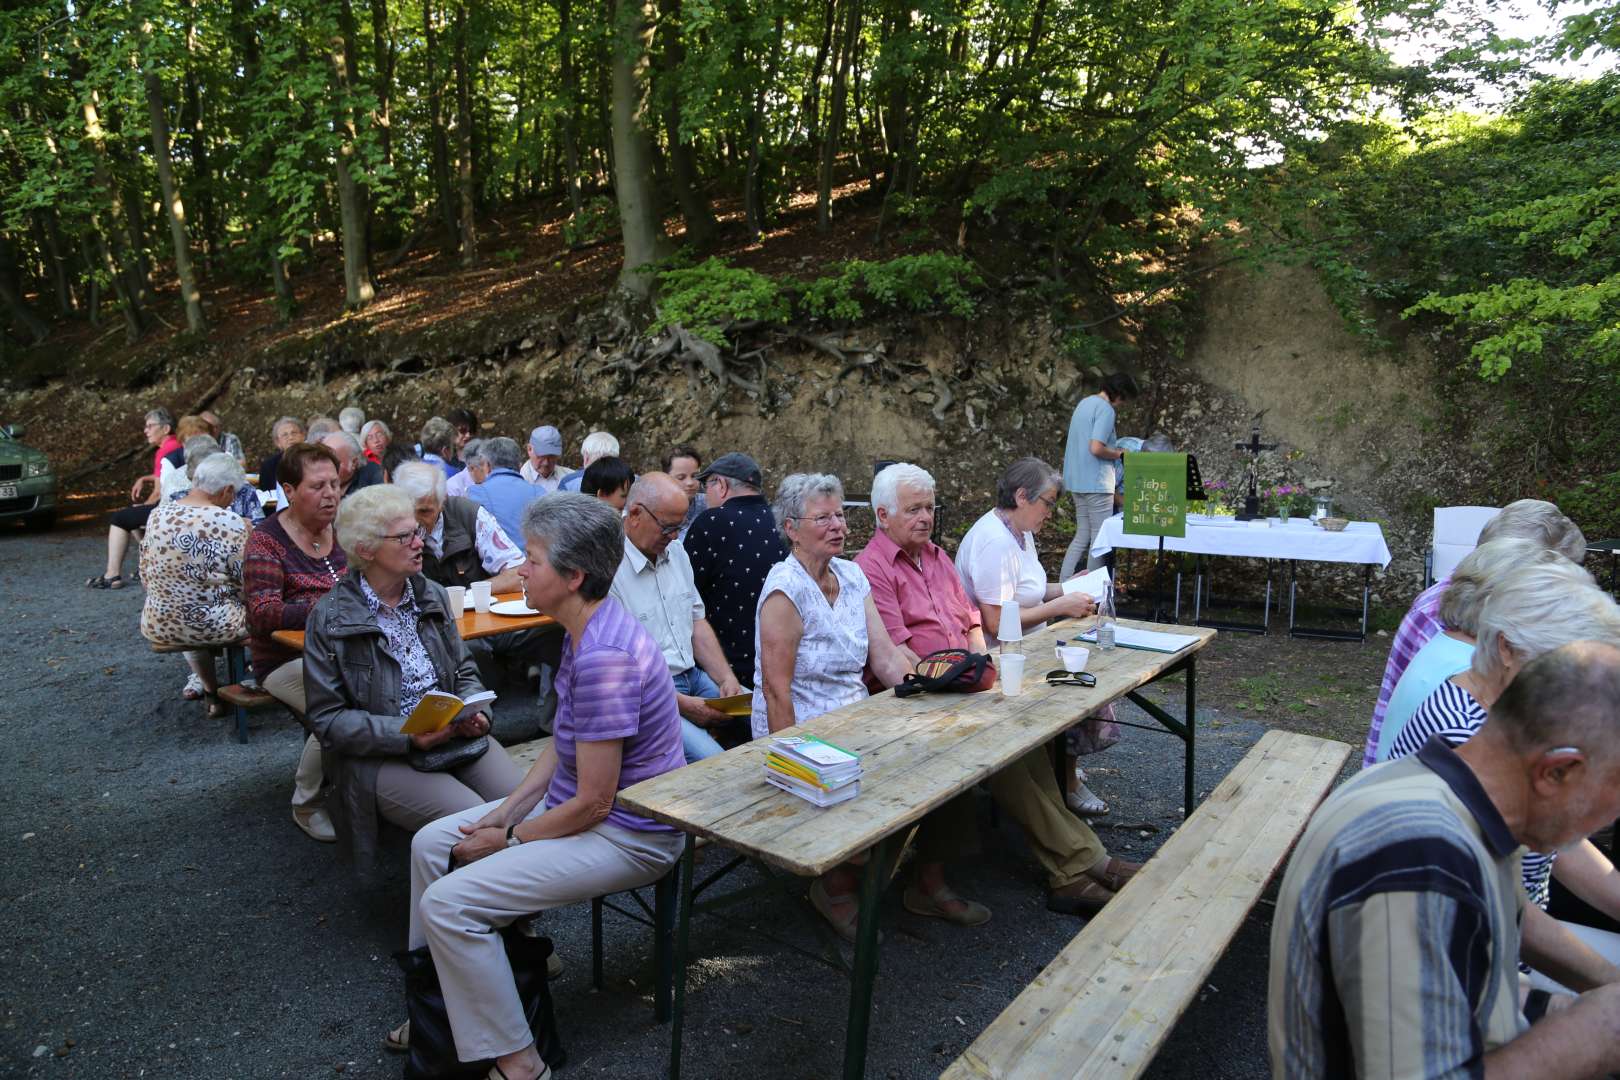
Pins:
x: 866, y: 959
x: 1187, y: 785
x: 683, y: 926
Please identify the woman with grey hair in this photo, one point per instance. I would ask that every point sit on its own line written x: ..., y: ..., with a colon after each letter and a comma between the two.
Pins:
x: 997, y: 561
x: 817, y: 629
x: 351, y: 418
x: 438, y: 441
x: 1527, y: 613
x: 374, y: 439
x: 143, y: 496
x: 245, y: 501
x: 287, y: 431
x: 559, y: 837
x: 191, y: 562
x: 376, y: 644
x: 1451, y: 652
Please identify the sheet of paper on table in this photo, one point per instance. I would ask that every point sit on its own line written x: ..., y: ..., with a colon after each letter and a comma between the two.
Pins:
x: 1094, y: 584
x: 1128, y: 637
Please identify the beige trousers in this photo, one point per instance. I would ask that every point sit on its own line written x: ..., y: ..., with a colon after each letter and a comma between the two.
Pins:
x: 412, y: 799
x: 1063, y: 844
x: 457, y: 914
x: 1090, y: 511
x: 286, y: 685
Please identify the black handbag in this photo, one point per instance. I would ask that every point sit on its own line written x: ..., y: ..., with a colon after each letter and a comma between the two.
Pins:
x: 433, y: 1047
x: 949, y: 671
x: 450, y: 754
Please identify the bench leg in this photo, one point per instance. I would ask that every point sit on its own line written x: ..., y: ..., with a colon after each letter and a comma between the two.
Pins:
x: 596, y: 942
x: 683, y: 926
x: 1187, y: 785
x: 663, y: 950
x: 236, y: 667
x: 866, y: 959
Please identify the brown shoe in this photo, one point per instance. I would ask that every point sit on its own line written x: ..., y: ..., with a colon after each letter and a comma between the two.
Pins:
x: 971, y: 912
x: 1084, y: 897
x: 1112, y: 874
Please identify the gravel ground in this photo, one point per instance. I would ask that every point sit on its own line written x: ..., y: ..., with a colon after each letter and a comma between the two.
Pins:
x: 160, y: 915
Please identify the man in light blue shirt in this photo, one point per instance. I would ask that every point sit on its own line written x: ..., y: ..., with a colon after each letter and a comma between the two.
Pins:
x: 1089, y: 463
x: 503, y: 491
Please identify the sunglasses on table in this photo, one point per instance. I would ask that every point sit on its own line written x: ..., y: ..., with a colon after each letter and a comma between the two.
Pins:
x: 1070, y: 678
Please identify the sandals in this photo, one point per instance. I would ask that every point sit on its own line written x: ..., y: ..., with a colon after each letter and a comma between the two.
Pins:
x: 194, y: 690
x: 218, y: 709
x: 1089, y: 898
x: 495, y: 1073
x: 933, y: 906
x: 102, y: 582
x: 398, y: 1040
x: 845, y: 926
x: 1085, y: 802
x: 1113, y: 874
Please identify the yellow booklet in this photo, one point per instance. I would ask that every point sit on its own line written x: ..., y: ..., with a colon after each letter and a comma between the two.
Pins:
x: 438, y: 710
x: 735, y: 705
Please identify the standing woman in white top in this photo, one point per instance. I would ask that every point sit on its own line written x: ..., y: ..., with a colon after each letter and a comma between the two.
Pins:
x: 997, y: 562
x: 817, y: 628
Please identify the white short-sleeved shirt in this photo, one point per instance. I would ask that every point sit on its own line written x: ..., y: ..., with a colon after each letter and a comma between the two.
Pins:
x: 995, y: 566
x: 832, y: 652
x: 663, y: 597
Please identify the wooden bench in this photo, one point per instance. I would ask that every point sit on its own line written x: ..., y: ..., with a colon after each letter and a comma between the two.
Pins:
x: 244, y: 699
x: 1103, y: 1006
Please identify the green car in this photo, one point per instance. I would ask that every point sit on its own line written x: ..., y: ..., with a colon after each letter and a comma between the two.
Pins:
x: 27, y: 486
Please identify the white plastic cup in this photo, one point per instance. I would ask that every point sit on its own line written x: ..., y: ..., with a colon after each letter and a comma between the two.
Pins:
x: 480, y: 595
x: 458, y: 599
x: 1012, y: 673
x: 1074, y: 657
x: 1012, y: 624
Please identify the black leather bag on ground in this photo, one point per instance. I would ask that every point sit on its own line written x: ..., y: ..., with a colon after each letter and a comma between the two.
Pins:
x: 949, y: 671
x: 433, y: 1048
x: 450, y: 754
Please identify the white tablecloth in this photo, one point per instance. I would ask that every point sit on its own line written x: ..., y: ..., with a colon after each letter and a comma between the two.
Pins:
x: 1360, y: 542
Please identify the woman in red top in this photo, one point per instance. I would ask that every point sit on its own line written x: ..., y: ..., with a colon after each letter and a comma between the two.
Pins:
x: 143, y: 496
x: 292, y: 560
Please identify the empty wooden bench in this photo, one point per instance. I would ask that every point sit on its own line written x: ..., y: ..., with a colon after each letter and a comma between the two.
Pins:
x: 1103, y: 1006
x: 244, y: 699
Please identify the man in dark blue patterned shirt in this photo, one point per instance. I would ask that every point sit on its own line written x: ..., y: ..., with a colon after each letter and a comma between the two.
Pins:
x: 733, y: 545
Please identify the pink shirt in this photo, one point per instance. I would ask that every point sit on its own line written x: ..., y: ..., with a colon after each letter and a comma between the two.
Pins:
x: 1420, y: 625
x: 924, y: 609
x: 169, y: 445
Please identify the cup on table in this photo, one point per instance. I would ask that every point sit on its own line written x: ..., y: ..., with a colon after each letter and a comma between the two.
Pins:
x: 458, y: 599
x: 1012, y: 673
x: 480, y: 595
x: 1074, y: 657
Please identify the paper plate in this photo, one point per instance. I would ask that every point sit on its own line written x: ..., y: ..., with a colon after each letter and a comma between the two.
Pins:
x: 511, y: 607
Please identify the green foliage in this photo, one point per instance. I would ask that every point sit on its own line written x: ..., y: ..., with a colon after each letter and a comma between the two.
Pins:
x: 597, y: 220
x: 1594, y: 505
x: 709, y: 298
x: 915, y: 283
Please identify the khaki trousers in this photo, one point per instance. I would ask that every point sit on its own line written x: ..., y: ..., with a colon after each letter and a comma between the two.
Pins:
x: 456, y: 914
x: 1028, y: 791
x: 412, y: 799
x: 1090, y: 511
x: 286, y: 685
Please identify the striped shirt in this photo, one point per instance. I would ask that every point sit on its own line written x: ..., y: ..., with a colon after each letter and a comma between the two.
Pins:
x: 1396, y: 938
x: 1421, y: 623
x: 615, y: 685
x: 1454, y: 715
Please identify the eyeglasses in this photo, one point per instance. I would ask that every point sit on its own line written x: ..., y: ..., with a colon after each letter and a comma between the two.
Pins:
x: 1070, y: 678
x: 404, y: 539
x: 920, y: 509
x: 1048, y: 501
x: 667, y: 530
x: 823, y: 521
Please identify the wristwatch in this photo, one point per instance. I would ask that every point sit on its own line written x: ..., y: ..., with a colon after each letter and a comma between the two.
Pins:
x: 511, y: 837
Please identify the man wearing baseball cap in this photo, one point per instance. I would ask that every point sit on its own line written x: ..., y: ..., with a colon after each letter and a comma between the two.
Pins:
x: 733, y: 545
x: 545, y: 451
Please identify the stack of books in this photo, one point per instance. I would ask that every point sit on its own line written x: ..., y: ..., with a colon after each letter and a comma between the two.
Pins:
x: 813, y: 769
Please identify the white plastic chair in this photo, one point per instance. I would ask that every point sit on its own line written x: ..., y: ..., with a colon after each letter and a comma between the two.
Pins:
x: 1456, y: 533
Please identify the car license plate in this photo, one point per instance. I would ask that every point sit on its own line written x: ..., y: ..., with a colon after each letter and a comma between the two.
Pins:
x: 8, y: 491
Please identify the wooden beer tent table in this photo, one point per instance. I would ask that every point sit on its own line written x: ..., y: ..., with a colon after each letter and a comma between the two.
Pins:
x: 472, y: 625
x: 916, y: 753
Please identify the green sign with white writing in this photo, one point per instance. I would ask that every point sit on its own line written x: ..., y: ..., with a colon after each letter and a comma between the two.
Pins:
x: 1156, y: 494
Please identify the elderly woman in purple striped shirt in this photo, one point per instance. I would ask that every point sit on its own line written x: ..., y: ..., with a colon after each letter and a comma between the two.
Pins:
x: 558, y: 838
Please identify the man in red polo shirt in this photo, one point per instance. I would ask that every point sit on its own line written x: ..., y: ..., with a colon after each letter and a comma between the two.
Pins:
x: 923, y: 606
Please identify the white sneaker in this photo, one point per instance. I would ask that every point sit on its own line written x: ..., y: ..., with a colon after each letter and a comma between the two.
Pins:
x: 316, y: 824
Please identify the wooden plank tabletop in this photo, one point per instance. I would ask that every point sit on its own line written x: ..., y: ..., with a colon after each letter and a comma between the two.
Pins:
x: 472, y: 624
x: 1105, y: 1003
x: 916, y: 754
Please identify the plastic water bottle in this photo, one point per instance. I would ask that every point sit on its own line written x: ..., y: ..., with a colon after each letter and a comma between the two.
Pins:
x: 1105, y: 620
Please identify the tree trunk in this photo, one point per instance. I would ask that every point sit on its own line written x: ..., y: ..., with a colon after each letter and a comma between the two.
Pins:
x: 173, y: 208
x: 753, y: 188
x: 439, y: 140
x: 835, y: 116
x: 202, y: 174
x: 114, y: 261
x: 21, y: 314
x: 358, y: 287
x: 701, y: 225
x: 812, y: 101
x: 634, y: 21
x: 384, y: 56
x: 50, y: 240
x: 286, y: 302
x: 464, y: 143
x: 569, y: 77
